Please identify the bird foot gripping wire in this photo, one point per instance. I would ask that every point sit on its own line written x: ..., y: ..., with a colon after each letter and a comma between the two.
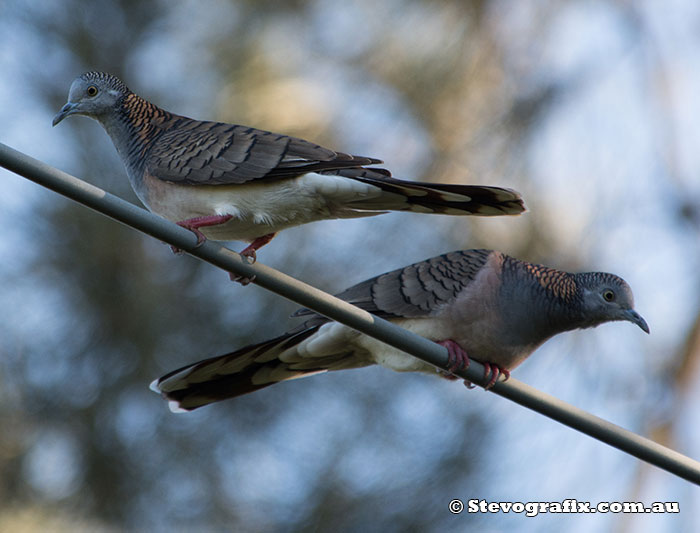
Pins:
x: 495, y: 371
x: 193, y: 224
x: 250, y: 250
x: 249, y: 253
x: 457, y: 359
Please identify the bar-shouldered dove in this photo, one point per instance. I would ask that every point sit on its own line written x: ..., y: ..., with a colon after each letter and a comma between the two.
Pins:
x: 229, y: 182
x: 479, y: 304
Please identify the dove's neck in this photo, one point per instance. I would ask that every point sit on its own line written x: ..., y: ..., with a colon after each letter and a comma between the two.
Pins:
x: 133, y: 128
x: 541, y: 301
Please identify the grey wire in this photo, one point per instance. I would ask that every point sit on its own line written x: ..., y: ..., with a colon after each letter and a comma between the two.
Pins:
x: 321, y: 302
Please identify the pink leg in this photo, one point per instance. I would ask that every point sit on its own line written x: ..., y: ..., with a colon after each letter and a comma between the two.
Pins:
x: 249, y: 251
x: 193, y: 224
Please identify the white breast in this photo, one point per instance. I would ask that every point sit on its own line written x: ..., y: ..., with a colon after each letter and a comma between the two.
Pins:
x: 260, y: 208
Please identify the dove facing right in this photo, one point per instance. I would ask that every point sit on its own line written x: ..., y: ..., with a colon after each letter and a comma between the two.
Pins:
x: 479, y: 304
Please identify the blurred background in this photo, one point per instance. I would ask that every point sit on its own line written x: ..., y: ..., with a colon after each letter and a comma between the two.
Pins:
x: 589, y: 108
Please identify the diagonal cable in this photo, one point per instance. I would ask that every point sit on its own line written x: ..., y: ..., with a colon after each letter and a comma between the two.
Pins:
x: 343, y: 312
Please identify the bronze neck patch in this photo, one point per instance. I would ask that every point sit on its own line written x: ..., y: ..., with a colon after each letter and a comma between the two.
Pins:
x: 560, y: 284
x: 143, y: 118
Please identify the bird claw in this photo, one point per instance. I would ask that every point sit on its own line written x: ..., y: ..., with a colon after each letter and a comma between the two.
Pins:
x: 249, y: 251
x: 243, y: 280
x: 249, y: 254
x: 457, y: 359
x: 495, y: 371
x: 200, y: 238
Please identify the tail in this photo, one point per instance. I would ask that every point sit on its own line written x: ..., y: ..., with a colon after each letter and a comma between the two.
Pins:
x: 294, y: 355
x: 437, y: 198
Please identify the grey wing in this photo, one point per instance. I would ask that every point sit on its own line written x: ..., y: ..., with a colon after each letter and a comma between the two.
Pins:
x: 418, y: 290
x: 214, y: 153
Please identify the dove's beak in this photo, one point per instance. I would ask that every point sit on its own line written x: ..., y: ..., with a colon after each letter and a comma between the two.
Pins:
x: 636, y: 318
x: 66, y: 110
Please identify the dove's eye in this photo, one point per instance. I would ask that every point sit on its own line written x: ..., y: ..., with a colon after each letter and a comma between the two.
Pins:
x: 92, y: 90
x: 608, y: 295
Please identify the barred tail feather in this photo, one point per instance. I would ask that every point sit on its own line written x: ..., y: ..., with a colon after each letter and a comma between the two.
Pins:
x: 438, y: 198
x: 450, y: 199
x: 246, y: 370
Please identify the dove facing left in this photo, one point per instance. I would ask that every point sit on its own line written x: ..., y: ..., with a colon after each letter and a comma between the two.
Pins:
x: 230, y: 182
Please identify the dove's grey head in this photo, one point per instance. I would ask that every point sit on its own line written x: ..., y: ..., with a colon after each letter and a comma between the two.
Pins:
x: 93, y: 94
x: 607, y: 297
